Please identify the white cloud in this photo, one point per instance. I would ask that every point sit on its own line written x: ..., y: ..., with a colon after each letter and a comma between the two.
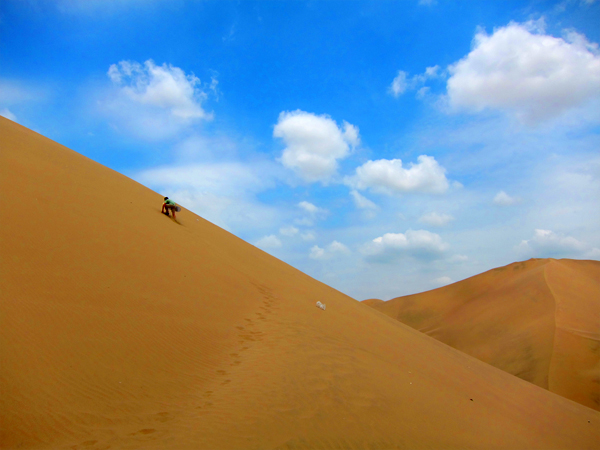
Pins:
x: 503, y: 199
x: 153, y: 101
x: 431, y: 72
x: 422, y: 93
x: 593, y: 254
x: 313, y: 213
x: 435, y: 219
x: 334, y: 249
x: 9, y: 115
x: 313, y: 210
x: 304, y: 221
x: 308, y: 236
x: 420, y: 244
x: 316, y: 252
x: 458, y: 258
x: 308, y: 207
x: 546, y: 243
x: 338, y: 247
x: 399, y: 84
x: 520, y: 69
x: 402, y: 82
x: 268, y: 242
x: 390, y: 177
x: 163, y: 86
x: 442, y: 281
x: 288, y: 231
x: 314, y: 144
x: 361, y: 201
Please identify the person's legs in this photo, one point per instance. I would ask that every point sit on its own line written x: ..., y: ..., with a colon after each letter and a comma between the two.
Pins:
x: 173, y: 208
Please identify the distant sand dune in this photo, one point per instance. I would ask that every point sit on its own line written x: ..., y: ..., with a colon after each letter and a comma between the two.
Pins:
x: 122, y: 329
x: 538, y: 320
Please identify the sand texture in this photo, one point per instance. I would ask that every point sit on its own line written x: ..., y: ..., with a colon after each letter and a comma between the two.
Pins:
x: 121, y: 328
x: 538, y: 320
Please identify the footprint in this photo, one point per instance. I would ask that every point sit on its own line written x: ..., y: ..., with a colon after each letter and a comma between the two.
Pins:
x: 225, y: 382
x: 147, y: 431
x: 144, y: 431
x: 240, y: 328
x: 221, y: 372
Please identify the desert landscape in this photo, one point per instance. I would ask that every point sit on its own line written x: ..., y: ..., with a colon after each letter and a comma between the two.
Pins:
x: 537, y: 320
x: 122, y: 328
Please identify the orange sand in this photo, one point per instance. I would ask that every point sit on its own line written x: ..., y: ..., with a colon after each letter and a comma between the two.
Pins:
x: 538, y: 320
x: 120, y: 328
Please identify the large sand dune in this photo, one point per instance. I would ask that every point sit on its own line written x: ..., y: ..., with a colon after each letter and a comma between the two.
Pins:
x: 538, y: 320
x: 122, y: 329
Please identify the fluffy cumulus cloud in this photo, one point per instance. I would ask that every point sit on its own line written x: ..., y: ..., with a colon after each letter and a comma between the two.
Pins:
x: 154, y: 101
x: 391, y: 177
x: 521, y: 69
x: 314, y: 144
x: 163, y: 86
x: 503, y: 199
x: 332, y: 250
x: 435, y: 219
x: 419, y: 244
x: 548, y: 244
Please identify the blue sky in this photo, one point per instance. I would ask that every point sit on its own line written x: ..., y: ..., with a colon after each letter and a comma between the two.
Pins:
x: 384, y: 148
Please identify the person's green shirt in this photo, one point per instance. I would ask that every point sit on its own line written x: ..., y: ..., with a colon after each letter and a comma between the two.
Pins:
x: 170, y: 202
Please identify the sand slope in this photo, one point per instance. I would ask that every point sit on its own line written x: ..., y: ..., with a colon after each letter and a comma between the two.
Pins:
x: 538, y: 320
x: 122, y: 329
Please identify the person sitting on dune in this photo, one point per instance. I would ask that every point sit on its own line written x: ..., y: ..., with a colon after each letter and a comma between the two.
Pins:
x: 169, y: 205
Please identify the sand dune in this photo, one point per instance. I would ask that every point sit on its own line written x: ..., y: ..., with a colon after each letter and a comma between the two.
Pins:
x: 538, y: 320
x: 120, y: 328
